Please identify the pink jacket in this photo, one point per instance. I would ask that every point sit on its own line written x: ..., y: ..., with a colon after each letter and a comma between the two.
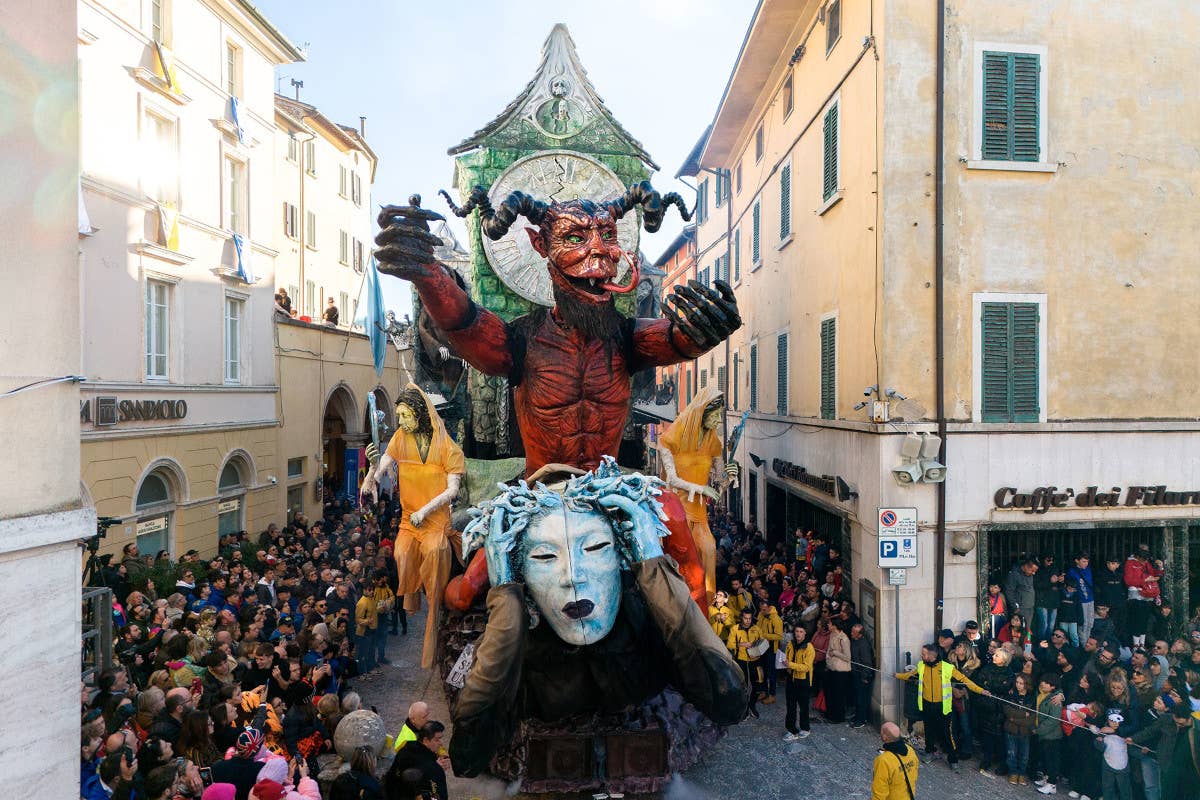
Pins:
x: 276, y: 769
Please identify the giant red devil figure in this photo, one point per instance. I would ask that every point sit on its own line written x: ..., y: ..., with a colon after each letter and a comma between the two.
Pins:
x: 570, y: 366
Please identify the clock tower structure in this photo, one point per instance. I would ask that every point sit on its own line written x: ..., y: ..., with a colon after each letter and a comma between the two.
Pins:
x: 555, y: 141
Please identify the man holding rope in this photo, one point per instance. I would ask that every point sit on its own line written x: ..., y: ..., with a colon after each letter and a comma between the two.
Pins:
x: 934, y: 679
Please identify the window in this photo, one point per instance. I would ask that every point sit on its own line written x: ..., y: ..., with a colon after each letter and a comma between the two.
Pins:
x: 736, y: 386
x: 785, y: 202
x: 295, y: 468
x: 356, y: 188
x: 1009, y: 362
x: 833, y: 24
x: 310, y: 299
x: 154, y: 505
x: 703, y: 379
x: 295, y: 500
x: 781, y: 376
x: 233, y: 339
x: 829, y: 368
x: 1011, y: 113
x: 158, y: 317
x: 739, y: 177
x: 291, y: 221
x: 293, y: 151
x: 721, y: 379
x: 229, y: 510
x: 789, y: 101
x: 755, y: 250
x: 294, y: 293
x: 343, y: 248
x: 737, y: 255
x: 161, y: 159
x: 233, y: 69
x: 235, y: 195
x: 702, y: 202
x: 310, y: 157
x: 343, y: 181
x: 720, y: 189
x: 158, y: 22
x: 310, y: 229
x: 754, y: 377
x: 687, y: 382
x: 758, y: 143
x: 829, y: 183
x: 358, y: 256
x: 344, y: 308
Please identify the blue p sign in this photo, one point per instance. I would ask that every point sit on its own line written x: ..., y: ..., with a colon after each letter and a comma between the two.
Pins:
x: 887, y: 548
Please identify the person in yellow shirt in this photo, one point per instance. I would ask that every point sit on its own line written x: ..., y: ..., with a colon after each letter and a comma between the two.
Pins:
x: 800, y: 658
x: 739, y: 641
x: 935, y: 679
x: 385, y: 601
x: 739, y: 598
x: 366, y: 621
x: 430, y: 468
x: 721, y: 616
x: 894, y: 776
x: 770, y: 627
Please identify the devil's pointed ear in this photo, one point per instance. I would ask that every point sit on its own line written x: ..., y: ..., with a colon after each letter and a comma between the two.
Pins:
x: 535, y: 238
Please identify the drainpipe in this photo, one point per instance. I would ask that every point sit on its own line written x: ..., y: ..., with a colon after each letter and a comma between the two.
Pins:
x: 939, y: 170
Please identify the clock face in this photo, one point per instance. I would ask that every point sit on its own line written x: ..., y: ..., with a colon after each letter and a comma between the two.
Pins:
x: 549, y: 176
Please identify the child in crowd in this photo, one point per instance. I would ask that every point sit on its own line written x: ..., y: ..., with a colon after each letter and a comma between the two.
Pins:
x: 1114, y: 770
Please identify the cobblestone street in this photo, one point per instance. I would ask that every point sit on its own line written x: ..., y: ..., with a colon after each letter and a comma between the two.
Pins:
x: 752, y: 761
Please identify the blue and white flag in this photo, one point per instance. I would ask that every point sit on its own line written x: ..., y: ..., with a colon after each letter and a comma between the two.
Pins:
x: 372, y: 316
x: 244, y: 270
x: 234, y: 104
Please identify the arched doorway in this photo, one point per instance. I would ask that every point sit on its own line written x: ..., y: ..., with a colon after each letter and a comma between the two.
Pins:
x: 154, y: 506
x: 231, y: 492
x: 339, y: 435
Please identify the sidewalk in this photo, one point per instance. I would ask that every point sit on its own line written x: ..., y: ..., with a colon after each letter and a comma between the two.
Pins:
x: 752, y: 762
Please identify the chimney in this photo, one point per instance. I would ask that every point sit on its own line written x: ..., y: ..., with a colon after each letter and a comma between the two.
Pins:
x: 362, y: 127
x: 297, y: 85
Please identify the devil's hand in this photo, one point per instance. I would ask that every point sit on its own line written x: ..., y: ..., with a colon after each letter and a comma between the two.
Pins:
x: 704, y: 315
x: 405, y: 245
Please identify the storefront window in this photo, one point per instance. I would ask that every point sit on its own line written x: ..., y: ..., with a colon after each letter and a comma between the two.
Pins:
x: 154, y: 514
x: 229, y: 509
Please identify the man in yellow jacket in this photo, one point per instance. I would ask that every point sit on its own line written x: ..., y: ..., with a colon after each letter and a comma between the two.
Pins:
x: 895, y: 773
x: 721, y: 617
x: 739, y: 641
x: 770, y: 627
x: 934, y: 679
x: 800, y: 657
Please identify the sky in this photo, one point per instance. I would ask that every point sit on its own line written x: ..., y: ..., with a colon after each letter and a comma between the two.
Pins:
x: 427, y: 75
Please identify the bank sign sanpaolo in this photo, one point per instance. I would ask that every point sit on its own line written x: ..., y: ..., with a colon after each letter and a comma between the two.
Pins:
x: 1044, y: 498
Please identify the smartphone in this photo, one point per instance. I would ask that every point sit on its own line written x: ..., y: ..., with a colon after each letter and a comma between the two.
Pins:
x: 206, y: 775
x: 197, y: 685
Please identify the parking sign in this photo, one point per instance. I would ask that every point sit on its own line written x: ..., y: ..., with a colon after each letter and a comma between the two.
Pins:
x: 897, y: 537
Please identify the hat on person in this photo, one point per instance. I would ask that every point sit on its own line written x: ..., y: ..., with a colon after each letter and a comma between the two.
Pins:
x: 1116, y: 717
x: 1168, y: 701
x: 946, y: 634
x: 1143, y: 548
x: 268, y: 790
x: 271, y: 561
x: 274, y: 769
x: 249, y: 742
x: 286, y: 620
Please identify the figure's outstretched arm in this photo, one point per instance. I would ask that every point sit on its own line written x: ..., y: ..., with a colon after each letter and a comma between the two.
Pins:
x: 406, y: 251
x: 483, y: 718
x: 453, y: 482
x: 695, y: 320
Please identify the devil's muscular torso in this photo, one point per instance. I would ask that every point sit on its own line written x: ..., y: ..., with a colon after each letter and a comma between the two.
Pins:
x: 571, y: 390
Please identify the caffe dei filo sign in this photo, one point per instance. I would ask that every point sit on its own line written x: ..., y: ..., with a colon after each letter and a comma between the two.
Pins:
x: 1044, y: 498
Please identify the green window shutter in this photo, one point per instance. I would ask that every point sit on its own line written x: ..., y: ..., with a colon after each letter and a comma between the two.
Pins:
x: 1009, y: 362
x: 737, y: 255
x: 781, y: 376
x: 829, y: 369
x: 1011, y: 115
x: 1024, y: 373
x: 1025, y: 119
x: 736, y: 386
x: 721, y: 380
x: 755, y: 251
x: 785, y: 202
x: 830, y: 154
x: 753, y: 377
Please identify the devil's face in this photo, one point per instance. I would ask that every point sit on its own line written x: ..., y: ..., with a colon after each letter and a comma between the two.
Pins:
x: 580, y: 242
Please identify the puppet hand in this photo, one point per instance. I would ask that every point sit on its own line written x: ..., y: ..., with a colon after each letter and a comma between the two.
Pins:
x: 704, y: 315
x: 369, y: 486
x: 372, y: 453
x: 405, y: 245
x: 638, y: 527
x: 497, y: 549
x: 710, y: 492
x: 416, y: 518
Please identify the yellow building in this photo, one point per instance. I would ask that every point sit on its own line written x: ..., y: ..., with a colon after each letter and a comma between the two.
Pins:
x: 985, y: 243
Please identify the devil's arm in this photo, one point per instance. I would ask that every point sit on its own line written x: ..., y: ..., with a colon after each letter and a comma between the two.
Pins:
x: 478, y: 335
x: 659, y: 343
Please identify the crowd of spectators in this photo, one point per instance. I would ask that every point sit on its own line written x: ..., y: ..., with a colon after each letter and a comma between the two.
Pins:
x: 231, y: 675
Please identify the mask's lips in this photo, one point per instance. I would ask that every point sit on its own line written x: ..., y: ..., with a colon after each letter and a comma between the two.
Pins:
x: 578, y: 609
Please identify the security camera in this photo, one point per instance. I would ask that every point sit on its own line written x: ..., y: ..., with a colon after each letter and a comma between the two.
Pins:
x: 907, y: 473
x: 932, y: 471
x: 870, y: 390
x: 892, y: 393
x: 860, y: 406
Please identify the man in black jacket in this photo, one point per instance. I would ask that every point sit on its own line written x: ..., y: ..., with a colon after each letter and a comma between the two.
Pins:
x: 425, y: 756
x: 1111, y: 591
x: 862, y: 674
